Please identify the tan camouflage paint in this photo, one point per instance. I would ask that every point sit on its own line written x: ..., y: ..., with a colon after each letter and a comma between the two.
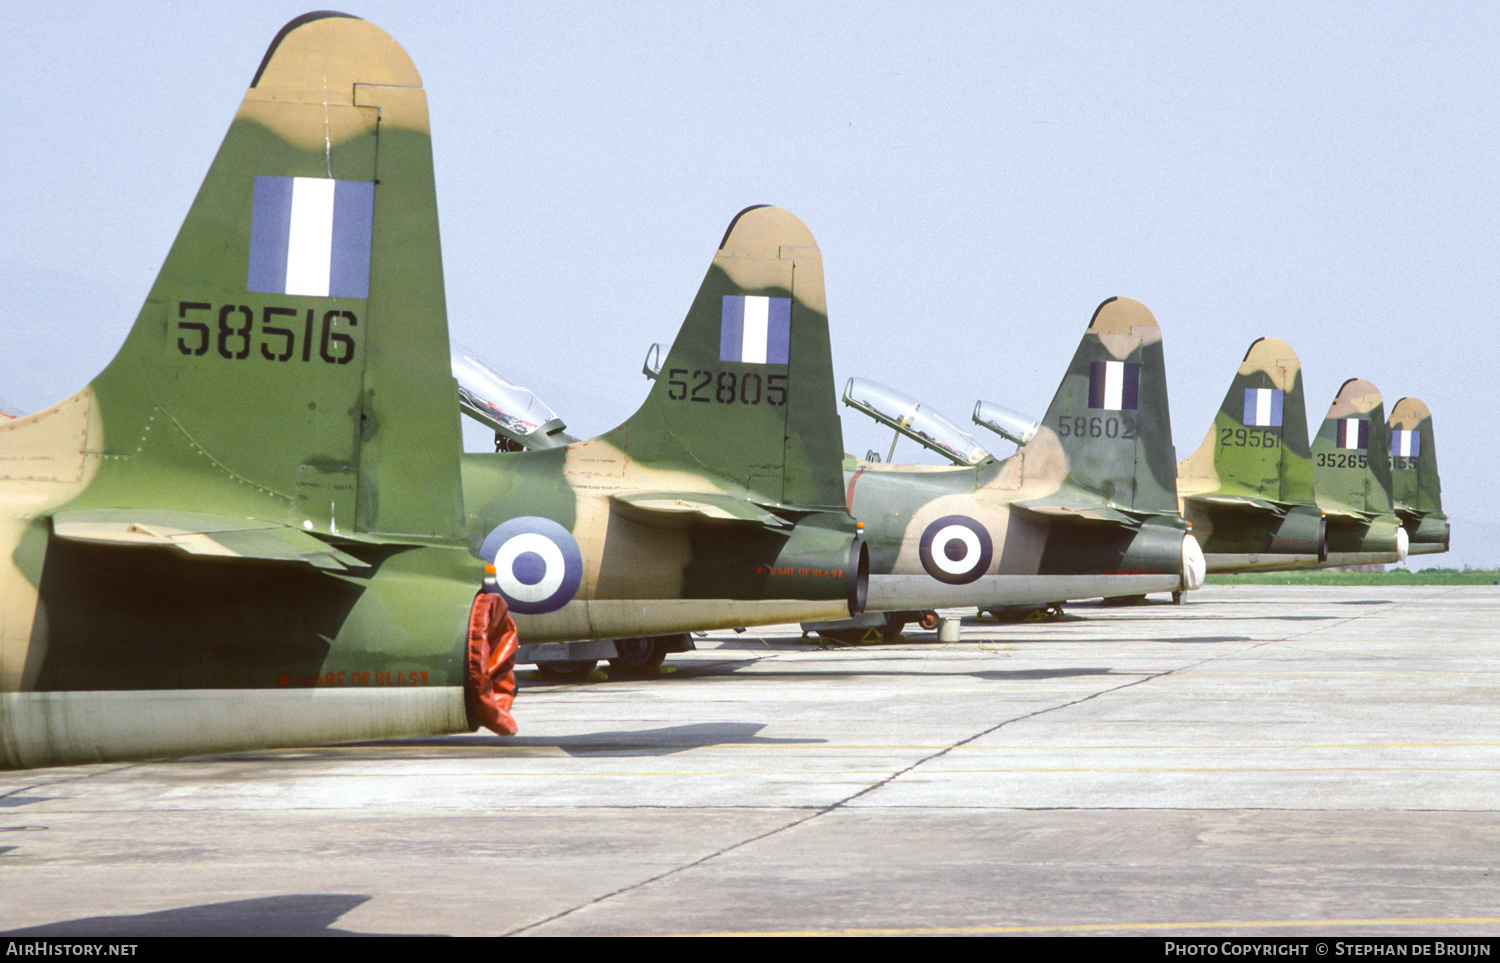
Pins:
x: 46, y: 459
x: 1219, y: 483
x: 1363, y: 527
x: 364, y: 454
x: 632, y: 507
x: 1018, y: 500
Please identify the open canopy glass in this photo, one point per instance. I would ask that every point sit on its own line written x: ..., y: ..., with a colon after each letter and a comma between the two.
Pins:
x: 914, y: 420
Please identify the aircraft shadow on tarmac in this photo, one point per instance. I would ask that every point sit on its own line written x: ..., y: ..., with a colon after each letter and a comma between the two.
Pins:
x: 303, y: 914
x: 1187, y: 639
x: 661, y: 741
x: 1022, y: 674
x: 990, y: 675
x: 997, y: 675
x: 15, y: 799
x: 1202, y: 639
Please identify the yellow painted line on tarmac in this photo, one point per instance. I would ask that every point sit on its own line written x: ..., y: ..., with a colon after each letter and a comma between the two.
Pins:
x: 916, y: 747
x: 1270, y: 670
x: 636, y: 750
x: 929, y: 773
x: 1200, y: 746
x: 926, y: 774
x: 1115, y: 927
x: 1085, y: 747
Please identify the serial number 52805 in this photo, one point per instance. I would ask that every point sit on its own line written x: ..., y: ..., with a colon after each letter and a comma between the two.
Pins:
x: 726, y: 387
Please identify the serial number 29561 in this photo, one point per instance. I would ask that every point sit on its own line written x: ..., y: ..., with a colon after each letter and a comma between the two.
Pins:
x: 1248, y: 438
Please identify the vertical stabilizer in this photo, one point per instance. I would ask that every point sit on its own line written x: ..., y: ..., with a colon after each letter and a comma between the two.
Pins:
x: 1414, y: 475
x: 1109, y: 416
x: 291, y: 361
x: 747, y: 390
x: 1351, y: 452
x: 1415, y: 488
x: 1258, y: 448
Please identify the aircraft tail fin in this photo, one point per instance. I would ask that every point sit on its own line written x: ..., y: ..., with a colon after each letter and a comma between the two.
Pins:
x: 1415, y: 488
x: 1351, y: 453
x: 291, y: 361
x: 1107, y: 433
x: 1257, y: 447
x: 1414, y: 474
x: 746, y: 390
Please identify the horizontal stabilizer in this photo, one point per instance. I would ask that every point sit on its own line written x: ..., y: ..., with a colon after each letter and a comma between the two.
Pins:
x: 1236, y: 501
x: 702, y: 504
x: 201, y: 533
x: 1080, y: 510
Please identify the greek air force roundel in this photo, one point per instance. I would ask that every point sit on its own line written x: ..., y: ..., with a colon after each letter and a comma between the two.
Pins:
x: 538, y: 566
x: 956, y: 549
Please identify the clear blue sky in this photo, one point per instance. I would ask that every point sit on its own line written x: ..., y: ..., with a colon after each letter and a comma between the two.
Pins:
x: 979, y: 177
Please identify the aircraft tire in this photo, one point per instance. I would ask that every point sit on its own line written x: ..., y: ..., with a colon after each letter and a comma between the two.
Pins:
x: 571, y: 671
x: 929, y: 620
x: 638, y: 656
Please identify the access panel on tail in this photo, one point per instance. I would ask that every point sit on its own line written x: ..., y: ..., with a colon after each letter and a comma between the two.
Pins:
x: 247, y: 531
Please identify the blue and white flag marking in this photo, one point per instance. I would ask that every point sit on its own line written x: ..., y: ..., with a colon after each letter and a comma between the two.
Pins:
x: 1406, y: 444
x: 755, y: 330
x: 1262, y: 408
x: 1352, y: 433
x: 1114, y: 385
x: 311, y: 236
